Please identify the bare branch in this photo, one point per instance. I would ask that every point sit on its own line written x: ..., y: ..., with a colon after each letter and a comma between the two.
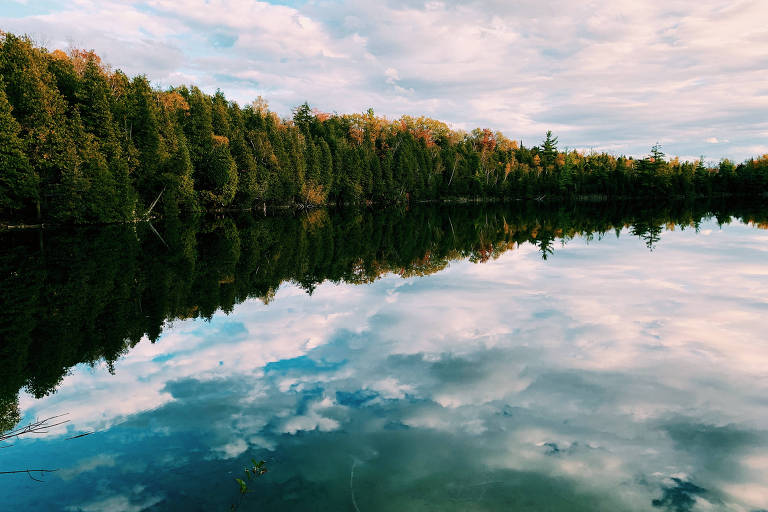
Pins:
x: 146, y: 215
x: 80, y: 435
x: 28, y: 471
x: 36, y: 427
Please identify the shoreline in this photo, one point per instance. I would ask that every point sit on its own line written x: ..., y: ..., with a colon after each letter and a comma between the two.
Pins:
x: 6, y: 226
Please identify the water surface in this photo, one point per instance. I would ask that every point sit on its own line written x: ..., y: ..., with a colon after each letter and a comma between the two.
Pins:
x: 460, y: 358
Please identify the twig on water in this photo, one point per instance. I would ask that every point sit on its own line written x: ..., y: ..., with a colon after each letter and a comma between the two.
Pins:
x: 29, y: 472
x: 36, y: 427
x: 80, y: 435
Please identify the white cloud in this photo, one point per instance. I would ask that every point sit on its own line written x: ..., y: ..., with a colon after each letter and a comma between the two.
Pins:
x: 392, y: 75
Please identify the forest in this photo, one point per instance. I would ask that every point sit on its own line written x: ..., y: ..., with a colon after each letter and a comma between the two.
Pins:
x: 81, y: 143
x: 91, y: 293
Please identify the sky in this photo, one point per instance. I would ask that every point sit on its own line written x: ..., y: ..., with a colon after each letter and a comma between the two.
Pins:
x: 608, y: 75
x: 505, y: 372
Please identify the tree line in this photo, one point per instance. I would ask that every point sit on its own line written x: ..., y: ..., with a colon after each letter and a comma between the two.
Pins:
x: 89, y: 294
x: 81, y: 143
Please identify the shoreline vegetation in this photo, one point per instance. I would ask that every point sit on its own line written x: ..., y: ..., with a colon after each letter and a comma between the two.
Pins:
x: 83, y: 144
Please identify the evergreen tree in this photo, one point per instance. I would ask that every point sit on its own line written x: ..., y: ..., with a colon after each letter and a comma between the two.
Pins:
x: 248, y: 189
x: 18, y: 182
x: 92, y: 96
x: 221, y: 176
x: 549, y: 149
x: 325, y: 176
x: 144, y: 132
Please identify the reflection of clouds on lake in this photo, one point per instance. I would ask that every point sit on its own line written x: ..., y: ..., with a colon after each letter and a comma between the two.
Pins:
x: 605, y: 375
x: 88, y: 464
x: 129, y: 502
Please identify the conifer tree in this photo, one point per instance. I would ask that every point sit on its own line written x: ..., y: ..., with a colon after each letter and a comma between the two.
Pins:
x: 549, y: 149
x: 248, y: 189
x: 93, y: 103
x: 221, y: 176
x: 144, y: 132
x: 18, y: 182
x: 326, y: 166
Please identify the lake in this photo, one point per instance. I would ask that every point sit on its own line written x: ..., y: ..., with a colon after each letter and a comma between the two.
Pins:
x: 521, y: 357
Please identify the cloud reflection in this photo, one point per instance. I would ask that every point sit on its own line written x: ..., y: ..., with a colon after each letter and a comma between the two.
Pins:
x: 607, y: 378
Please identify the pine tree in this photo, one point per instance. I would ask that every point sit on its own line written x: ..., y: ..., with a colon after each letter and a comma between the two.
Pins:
x: 198, y: 128
x: 144, y: 131
x: 221, y: 175
x: 549, y: 150
x: 93, y: 103
x: 220, y: 115
x: 326, y: 166
x: 177, y: 172
x: 248, y: 189
x: 18, y: 182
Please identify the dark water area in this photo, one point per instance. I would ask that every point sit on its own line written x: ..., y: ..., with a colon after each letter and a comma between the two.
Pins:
x: 465, y: 357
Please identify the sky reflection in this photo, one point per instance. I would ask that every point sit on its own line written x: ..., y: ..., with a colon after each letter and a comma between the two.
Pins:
x: 605, y: 378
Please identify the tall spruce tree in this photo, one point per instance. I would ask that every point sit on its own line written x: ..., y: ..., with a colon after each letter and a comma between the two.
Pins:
x: 549, y: 149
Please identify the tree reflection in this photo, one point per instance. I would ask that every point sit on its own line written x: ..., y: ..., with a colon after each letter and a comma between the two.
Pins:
x: 91, y: 294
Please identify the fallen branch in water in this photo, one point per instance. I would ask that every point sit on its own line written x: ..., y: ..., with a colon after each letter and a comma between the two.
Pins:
x: 36, y: 427
x: 78, y: 436
x: 29, y: 472
x: 146, y: 215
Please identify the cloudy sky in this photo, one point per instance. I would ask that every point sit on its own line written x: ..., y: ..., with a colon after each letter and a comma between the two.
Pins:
x: 615, y: 75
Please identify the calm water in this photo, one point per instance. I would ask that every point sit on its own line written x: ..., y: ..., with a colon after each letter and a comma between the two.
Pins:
x: 447, y: 359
